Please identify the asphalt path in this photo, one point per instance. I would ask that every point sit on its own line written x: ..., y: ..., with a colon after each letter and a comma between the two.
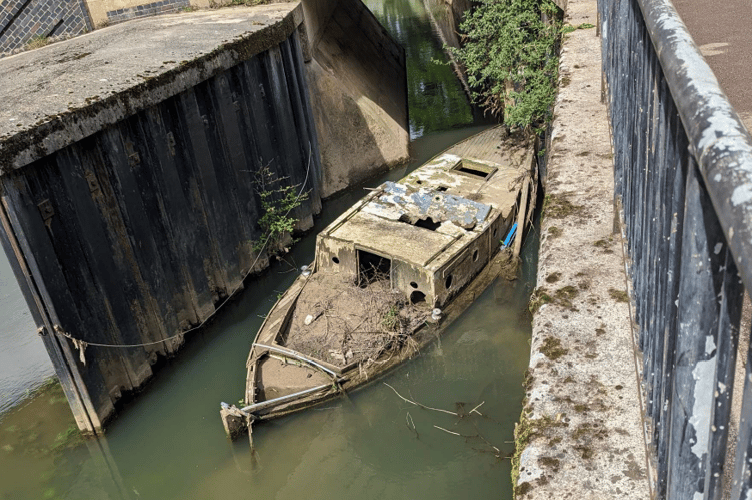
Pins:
x: 723, y: 31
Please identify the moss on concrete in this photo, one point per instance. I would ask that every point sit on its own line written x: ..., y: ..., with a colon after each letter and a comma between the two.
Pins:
x: 552, y: 349
x: 559, y: 207
x: 554, y: 232
x: 618, y: 295
x: 524, y: 432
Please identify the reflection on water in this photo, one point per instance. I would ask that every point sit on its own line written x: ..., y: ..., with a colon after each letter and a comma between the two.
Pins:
x: 169, y: 442
x: 437, y: 100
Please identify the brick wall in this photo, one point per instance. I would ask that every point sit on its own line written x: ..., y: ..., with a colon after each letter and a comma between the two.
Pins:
x: 23, y: 20
x: 149, y: 9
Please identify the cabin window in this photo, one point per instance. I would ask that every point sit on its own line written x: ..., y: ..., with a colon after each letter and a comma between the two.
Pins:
x: 372, y: 268
x: 474, y: 169
x: 475, y: 255
x: 417, y: 297
x: 448, y: 282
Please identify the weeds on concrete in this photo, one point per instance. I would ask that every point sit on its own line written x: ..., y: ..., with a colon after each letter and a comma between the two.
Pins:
x: 524, y: 432
x: 618, y: 295
x: 558, y: 207
x: 568, y: 28
x: 37, y: 42
x: 537, y: 299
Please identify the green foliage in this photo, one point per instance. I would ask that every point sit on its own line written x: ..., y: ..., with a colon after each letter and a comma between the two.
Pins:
x: 510, y: 56
x: 391, y: 319
x: 278, y: 201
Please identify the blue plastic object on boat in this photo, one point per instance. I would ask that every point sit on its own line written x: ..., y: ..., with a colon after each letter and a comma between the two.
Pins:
x: 510, y: 236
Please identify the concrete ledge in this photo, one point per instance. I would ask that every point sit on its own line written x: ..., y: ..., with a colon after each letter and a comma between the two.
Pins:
x: 581, y: 430
x: 59, y: 94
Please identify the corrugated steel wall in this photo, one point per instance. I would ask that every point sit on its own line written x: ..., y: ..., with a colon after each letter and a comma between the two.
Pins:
x: 142, y: 229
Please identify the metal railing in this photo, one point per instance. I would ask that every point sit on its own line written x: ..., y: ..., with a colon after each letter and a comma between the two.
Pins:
x: 683, y: 167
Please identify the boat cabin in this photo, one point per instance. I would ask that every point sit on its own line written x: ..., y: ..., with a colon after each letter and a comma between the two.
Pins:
x: 429, y: 234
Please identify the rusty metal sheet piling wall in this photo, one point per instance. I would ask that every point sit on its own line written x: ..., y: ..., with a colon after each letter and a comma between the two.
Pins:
x: 138, y: 232
x: 683, y: 167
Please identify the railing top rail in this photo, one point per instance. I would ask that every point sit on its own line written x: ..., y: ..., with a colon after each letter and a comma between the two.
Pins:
x: 718, y: 139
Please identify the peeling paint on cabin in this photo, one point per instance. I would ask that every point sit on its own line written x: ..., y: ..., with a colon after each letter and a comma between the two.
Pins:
x: 400, y: 202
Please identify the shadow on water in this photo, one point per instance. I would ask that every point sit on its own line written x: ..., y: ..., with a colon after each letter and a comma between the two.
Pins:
x: 169, y: 442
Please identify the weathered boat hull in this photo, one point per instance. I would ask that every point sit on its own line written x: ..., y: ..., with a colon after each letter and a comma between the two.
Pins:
x: 474, y: 214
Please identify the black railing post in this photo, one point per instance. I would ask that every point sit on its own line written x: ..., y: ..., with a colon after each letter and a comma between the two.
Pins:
x: 683, y: 171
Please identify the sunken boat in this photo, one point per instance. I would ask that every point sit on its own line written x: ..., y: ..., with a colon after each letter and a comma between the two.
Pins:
x: 389, y: 275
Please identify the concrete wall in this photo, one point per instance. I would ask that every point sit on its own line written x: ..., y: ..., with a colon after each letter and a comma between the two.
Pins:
x: 23, y: 20
x: 580, y: 434
x: 356, y: 75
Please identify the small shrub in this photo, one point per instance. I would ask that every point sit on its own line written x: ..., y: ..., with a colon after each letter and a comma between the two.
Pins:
x: 278, y: 201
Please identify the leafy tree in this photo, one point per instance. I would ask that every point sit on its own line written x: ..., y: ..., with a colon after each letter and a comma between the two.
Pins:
x: 509, y: 50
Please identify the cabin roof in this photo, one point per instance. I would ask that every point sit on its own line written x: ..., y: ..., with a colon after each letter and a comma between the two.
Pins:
x: 402, y: 202
x: 436, y: 210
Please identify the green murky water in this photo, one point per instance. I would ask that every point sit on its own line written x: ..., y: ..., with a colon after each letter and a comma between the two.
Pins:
x: 169, y: 442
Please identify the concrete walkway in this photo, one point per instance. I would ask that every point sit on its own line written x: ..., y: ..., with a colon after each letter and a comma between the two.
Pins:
x: 582, y: 422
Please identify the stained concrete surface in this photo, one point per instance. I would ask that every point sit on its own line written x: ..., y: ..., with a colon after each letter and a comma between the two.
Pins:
x: 583, y: 403
x: 49, y: 94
